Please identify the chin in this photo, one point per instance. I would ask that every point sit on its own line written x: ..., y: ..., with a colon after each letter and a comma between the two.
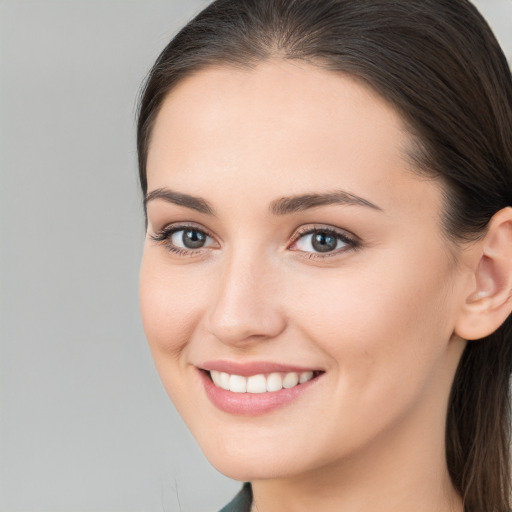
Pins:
x: 244, y: 469
x: 244, y: 461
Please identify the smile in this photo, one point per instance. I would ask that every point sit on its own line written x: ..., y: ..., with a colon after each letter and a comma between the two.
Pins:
x: 260, y: 383
x: 255, y: 388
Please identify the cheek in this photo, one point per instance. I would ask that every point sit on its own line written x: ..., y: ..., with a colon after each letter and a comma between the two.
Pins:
x: 380, y: 323
x: 386, y: 342
x: 171, y: 305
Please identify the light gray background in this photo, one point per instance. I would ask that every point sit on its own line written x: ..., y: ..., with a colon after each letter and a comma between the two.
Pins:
x: 85, y: 424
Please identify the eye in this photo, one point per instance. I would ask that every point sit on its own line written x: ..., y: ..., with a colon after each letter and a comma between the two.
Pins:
x: 183, y: 239
x: 322, y: 241
x: 189, y: 238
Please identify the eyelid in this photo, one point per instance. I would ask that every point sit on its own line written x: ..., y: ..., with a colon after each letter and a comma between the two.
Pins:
x: 352, y: 241
x: 164, y: 234
x: 181, y: 225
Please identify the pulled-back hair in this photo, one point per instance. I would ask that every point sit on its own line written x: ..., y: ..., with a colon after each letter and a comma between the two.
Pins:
x: 438, y: 63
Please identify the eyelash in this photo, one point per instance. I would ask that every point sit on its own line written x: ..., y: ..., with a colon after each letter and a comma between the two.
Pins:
x: 352, y: 243
x: 164, y: 237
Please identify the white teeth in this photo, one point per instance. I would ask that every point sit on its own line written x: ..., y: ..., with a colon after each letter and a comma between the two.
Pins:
x: 274, y: 382
x: 291, y: 379
x: 237, y: 384
x: 224, y: 380
x: 259, y: 383
x: 215, y: 377
x: 305, y: 376
x: 256, y: 384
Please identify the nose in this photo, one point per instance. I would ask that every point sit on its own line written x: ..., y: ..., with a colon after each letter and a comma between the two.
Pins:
x: 246, y: 307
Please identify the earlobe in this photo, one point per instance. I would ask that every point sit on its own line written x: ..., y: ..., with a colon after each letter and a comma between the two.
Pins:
x: 489, y: 303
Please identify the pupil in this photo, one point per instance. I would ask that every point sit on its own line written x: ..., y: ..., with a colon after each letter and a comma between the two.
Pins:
x: 193, y: 239
x: 324, y: 242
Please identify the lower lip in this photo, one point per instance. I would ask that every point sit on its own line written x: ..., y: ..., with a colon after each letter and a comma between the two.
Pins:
x: 252, y: 404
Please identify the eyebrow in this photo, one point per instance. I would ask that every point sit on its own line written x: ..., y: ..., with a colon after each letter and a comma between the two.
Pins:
x: 171, y: 196
x: 287, y: 205
x: 281, y: 206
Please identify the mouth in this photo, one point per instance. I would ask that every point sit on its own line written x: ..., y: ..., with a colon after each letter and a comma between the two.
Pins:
x: 260, y: 383
x: 255, y: 389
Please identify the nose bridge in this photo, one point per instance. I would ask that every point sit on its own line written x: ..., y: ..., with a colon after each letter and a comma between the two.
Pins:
x: 246, y: 306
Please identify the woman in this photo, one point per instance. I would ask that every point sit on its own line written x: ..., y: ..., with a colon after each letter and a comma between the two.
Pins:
x: 327, y: 276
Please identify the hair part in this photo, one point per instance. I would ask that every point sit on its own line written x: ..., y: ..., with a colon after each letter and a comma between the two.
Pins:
x: 438, y: 63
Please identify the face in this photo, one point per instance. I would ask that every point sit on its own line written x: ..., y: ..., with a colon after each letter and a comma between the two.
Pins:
x: 297, y: 293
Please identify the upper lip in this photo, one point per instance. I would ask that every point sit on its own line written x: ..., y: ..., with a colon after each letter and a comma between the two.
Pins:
x: 252, y: 368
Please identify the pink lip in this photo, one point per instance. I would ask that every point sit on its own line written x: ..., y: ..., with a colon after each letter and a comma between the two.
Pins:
x: 252, y: 404
x: 253, y: 368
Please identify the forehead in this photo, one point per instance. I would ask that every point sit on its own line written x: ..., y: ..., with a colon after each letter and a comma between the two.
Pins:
x: 282, y: 124
x: 279, y: 95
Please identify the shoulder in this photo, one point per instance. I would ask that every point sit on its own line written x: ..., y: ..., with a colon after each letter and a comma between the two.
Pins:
x: 241, y: 502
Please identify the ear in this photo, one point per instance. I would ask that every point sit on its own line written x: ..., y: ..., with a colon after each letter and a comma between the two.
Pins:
x: 489, y: 299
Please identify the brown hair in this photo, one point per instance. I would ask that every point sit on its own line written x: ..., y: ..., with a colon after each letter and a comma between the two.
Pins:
x: 439, y: 64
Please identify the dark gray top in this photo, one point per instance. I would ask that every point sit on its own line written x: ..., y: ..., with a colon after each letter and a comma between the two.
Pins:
x: 241, y: 502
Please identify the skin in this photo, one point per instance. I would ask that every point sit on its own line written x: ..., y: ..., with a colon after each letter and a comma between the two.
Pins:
x: 378, y: 319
